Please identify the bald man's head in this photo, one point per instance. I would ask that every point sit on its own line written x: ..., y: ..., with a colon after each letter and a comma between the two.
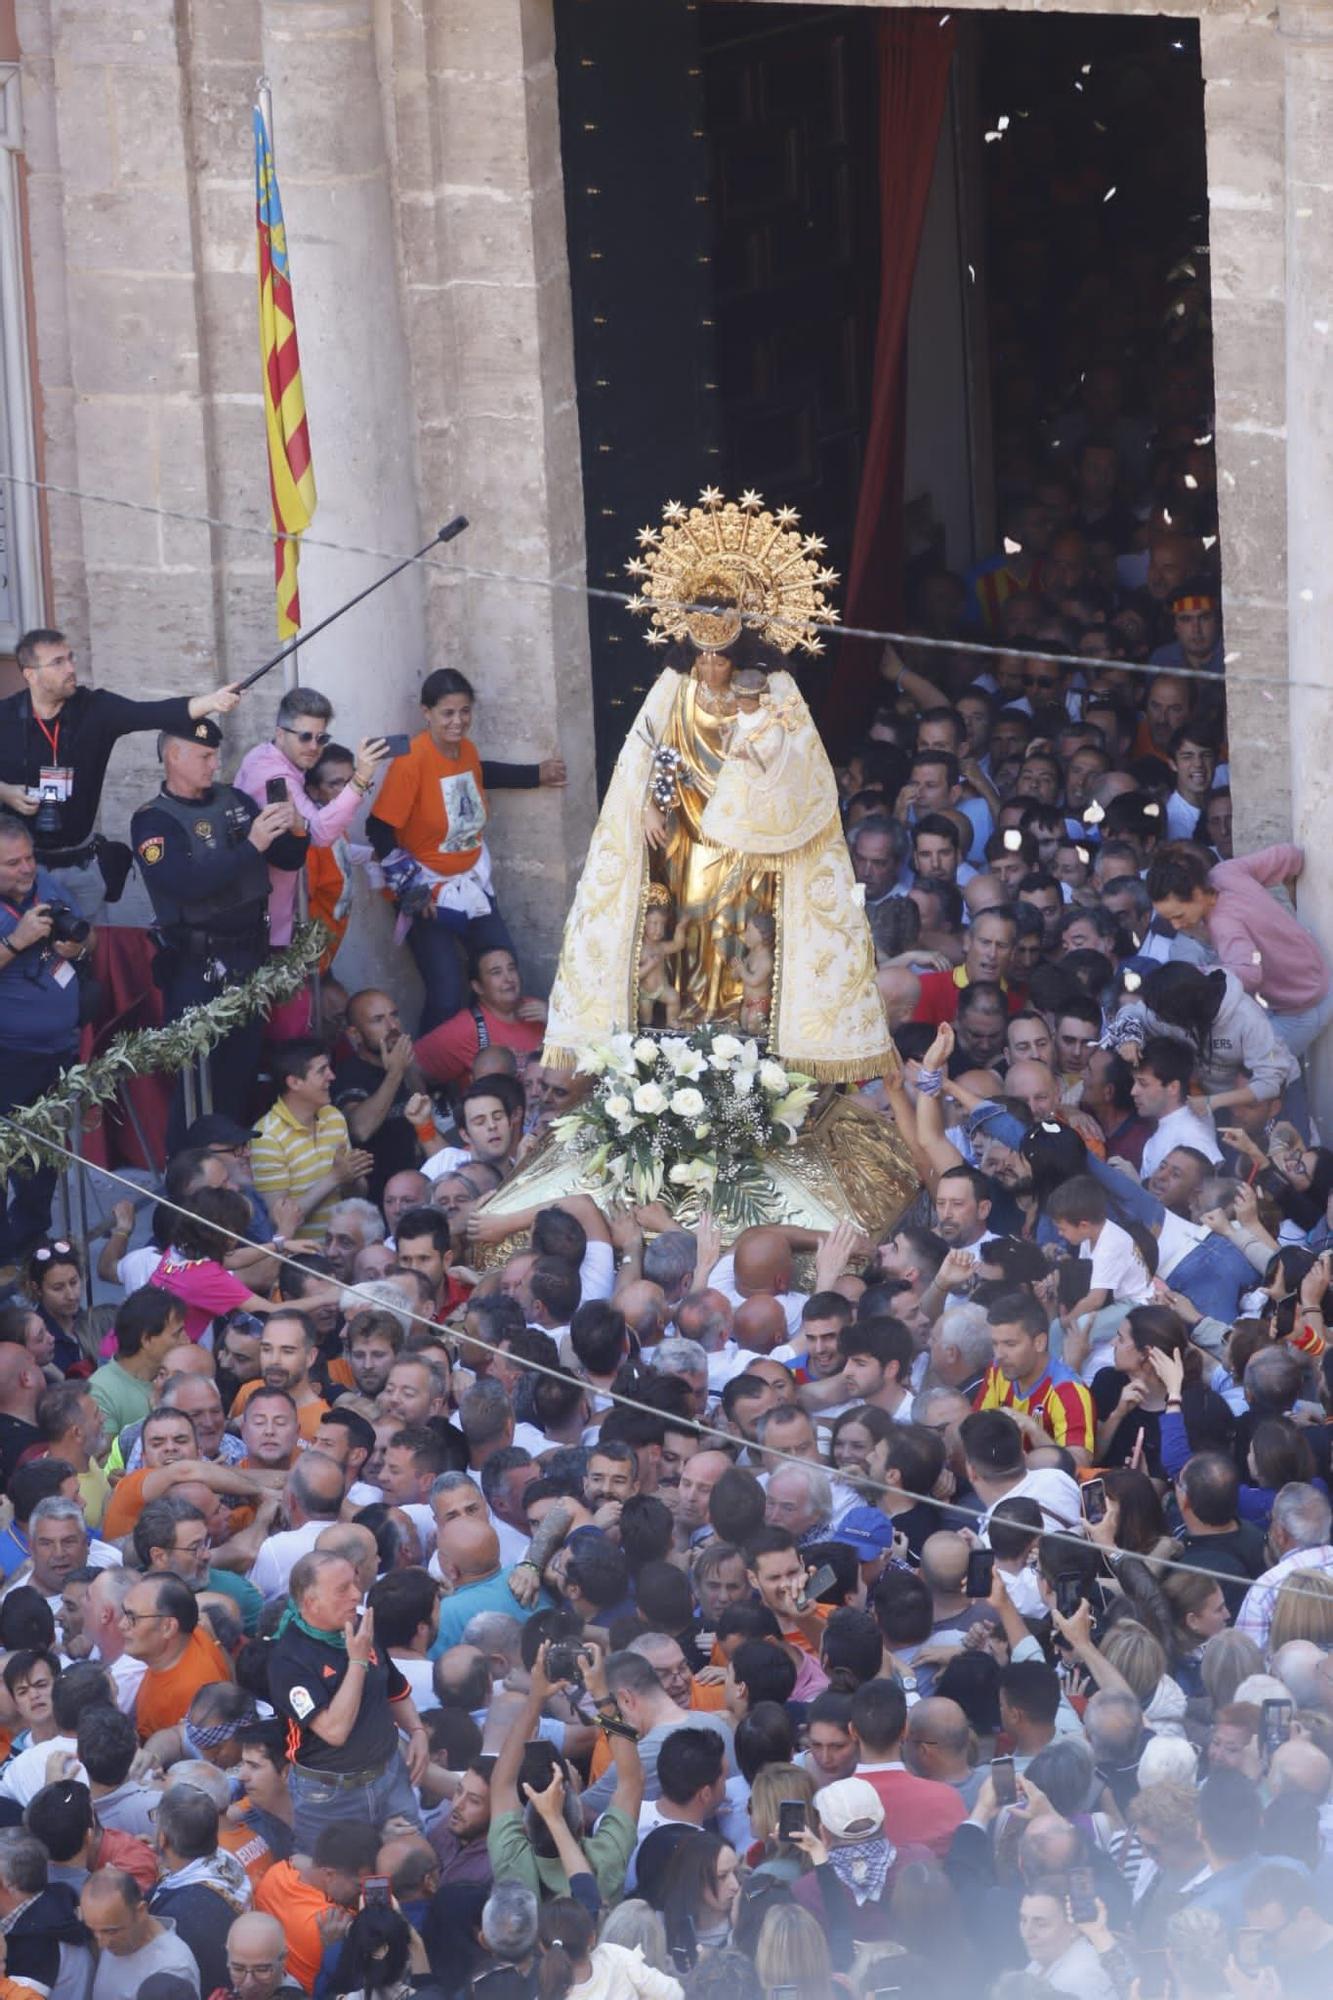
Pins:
x: 759, y: 1324
x: 356, y: 1545
x: 470, y: 1547
x: 1034, y: 1083
x: 256, y: 1956
x: 762, y: 1261
x: 1300, y: 1766
x: 21, y: 1381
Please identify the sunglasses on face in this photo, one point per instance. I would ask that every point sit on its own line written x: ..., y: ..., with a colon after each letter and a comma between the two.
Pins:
x: 320, y: 736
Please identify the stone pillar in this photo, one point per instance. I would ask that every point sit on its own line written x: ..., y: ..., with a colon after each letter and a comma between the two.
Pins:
x: 1243, y: 78
x: 118, y: 353
x: 474, y: 141
x: 1306, y: 30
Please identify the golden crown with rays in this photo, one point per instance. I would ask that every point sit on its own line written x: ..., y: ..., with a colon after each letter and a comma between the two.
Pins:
x: 711, y: 571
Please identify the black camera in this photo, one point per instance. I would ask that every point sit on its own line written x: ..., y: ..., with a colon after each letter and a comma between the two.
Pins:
x: 562, y: 1663
x: 67, y: 926
x: 49, y: 818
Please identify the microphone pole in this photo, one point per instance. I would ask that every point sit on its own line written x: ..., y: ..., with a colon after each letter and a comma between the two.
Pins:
x: 447, y: 533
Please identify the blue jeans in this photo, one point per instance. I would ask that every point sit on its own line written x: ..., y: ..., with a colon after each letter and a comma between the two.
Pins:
x: 1299, y: 1030
x: 1212, y: 1277
x: 318, y: 1800
x: 442, y: 953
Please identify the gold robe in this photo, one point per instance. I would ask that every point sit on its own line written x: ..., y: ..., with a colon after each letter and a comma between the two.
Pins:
x: 746, y: 841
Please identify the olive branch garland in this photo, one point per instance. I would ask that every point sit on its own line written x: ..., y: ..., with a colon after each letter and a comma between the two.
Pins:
x: 146, y: 1051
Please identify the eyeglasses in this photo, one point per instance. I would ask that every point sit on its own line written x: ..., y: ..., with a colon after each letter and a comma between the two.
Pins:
x: 50, y: 1250
x: 264, y: 1970
x: 320, y: 736
x: 139, y: 1617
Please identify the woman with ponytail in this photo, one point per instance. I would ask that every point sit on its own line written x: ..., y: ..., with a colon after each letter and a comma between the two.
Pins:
x: 573, y: 1966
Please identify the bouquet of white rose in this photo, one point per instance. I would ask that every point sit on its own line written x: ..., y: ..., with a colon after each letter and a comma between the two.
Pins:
x: 686, y: 1120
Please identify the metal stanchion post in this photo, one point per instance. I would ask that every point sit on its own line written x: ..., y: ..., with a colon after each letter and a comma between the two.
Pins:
x: 79, y: 1176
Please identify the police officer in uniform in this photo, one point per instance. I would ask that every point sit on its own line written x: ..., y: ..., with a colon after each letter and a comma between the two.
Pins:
x: 204, y: 851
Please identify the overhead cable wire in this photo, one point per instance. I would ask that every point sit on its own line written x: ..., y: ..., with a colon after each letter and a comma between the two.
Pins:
x: 696, y: 1426
x: 463, y: 572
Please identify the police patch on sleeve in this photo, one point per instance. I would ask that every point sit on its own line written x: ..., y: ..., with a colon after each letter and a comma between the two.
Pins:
x: 302, y: 1703
x: 151, y: 850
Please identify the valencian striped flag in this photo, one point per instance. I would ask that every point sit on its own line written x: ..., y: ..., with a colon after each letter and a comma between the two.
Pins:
x: 291, y: 474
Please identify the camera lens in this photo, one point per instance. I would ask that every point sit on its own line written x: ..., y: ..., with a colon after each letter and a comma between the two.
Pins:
x: 48, y: 817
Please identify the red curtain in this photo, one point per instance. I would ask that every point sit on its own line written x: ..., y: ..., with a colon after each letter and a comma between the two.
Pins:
x: 915, y: 51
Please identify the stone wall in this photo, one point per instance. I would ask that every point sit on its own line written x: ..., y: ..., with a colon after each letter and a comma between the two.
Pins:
x: 419, y: 164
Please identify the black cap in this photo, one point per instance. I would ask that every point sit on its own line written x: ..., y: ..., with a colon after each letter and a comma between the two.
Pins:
x: 204, y: 731
x: 216, y: 1129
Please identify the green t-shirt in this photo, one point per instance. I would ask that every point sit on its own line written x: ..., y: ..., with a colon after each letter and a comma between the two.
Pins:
x: 248, y: 1601
x: 121, y: 1397
x: 514, y: 1859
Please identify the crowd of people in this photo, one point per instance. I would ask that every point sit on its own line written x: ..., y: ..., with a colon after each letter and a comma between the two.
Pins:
x: 398, y: 1597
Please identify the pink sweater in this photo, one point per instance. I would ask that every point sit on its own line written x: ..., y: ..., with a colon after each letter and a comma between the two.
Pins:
x: 325, y: 824
x: 1258, y: 938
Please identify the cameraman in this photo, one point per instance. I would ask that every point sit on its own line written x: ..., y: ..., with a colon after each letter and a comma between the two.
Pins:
x: 39, y: 1014
x: 56, y: 739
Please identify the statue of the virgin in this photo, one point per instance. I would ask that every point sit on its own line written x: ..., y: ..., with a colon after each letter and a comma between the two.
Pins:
x: 718, y: 886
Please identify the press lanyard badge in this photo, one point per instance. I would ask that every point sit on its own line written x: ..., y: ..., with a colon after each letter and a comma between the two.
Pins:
x: 55, y: 783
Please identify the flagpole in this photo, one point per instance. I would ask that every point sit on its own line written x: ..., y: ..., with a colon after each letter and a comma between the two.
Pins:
x: 264, y: 99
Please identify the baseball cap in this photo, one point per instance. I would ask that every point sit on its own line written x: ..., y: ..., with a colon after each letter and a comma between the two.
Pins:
x: 851, y: 1809
x: 867, y: 1531
x: 214, y: 1128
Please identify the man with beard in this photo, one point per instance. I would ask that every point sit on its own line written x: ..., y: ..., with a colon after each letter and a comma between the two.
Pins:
x: 698, y: 1477
x: 354, y: 1225
x: 459, y: 1836
x: 374, y: 1342
x: 287, y: 1353
x: 73, y: 1428
x: 380, y: 1090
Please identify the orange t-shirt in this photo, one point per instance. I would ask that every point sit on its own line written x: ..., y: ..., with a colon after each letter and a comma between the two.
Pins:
x: 436, y: 805
x: 325, y: 883
x: 125, y: 1505
x: 308, y: 1415
x: 250, y: 1848
x: 165, y: 1694
x: 283, y: 1894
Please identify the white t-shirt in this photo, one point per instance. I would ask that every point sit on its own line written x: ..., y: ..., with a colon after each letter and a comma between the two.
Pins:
x: 1054, y: 1492
x: 722, y: 1278
x: 597, y: 1272
x: 136, y: 1267
x: 419, y: 1675
x: 24, y: 1775
x: 1118, y: 1266
x: 126, y: 1674
x: 1178, y: 1128
x: 271, y: 1569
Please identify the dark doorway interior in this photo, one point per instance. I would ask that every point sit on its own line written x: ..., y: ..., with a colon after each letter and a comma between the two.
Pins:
x: 789, y: 94
x: 723, y: 208
x: 1094, y: 180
